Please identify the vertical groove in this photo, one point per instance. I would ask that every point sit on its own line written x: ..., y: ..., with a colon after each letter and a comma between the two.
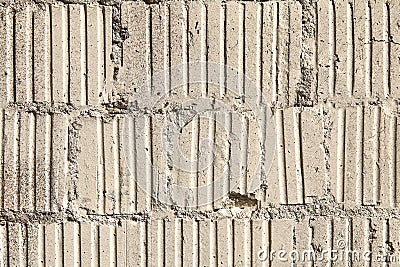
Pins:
x: 133, y: 176
x: 349, y: 239
x: 167, y: 66
x: 212, y: 243
x: 105, y: 50
x: 330, y: 237
x: 144, y: 228
x: 101, y: 166
x: 83, y: 56
x: 281, y: 157
x: 210, y: 174
x: 269, y: 241
x: 176, y: 241
x: 233, y: 240
x: 222, y: 48
x: 47, y: 54
x: 341, y: 154
x: 29, y: 54
x: 350, y: 49
x: 95, y: 243
x: 231, y: 243
x: 315, y: 63
x: 47, y: 162
x: 368, y: 51
x: 194, y: 156
x: 298, y: 155
x: 386, y: 50
x: 27, y: 227
x: 216, y: 242
x: 185, y: 47
x: 294, y: 241
x: 332, y: 48
x: 167, y: 48
x: 376, y: 162
x: 16, y: 161
x: 253, y: 229
x: 122, y: 47
x: 68, y: 54
x: 160, y: 239
x: 385, y: 239
x: 148, y: 144
x: 392, y: 161
x: 229, y: 237
x: 35, y: 180
x: 32, y: 62
x: 244, y: 155
x: 65, y: 47
x: 86, y: 56
x: 9, y: 54
x: 126, y: 248
x: 149, y: 160
x: 241, y: 52
x: 14, y: 57
x: 3, y: 245
x: 117, y: 182
x: 41, y: 245
x: 248, y: 242
x: 82, y: 42
x: 113, y: 245
x: 196, y: 242
x: 7, y: 234
x: 275, y: 53
x: 51, y: 96
x: 32, y: 160
x: 204, y: 52
x: 100, y: 47
x: 2, y: 136
x: 286, y: 75
x: 259, y: 49
x: 59, y: 244
x: 164, y: 242
x: 359, y: 155
x: 228, y: 126
x: 77, y: 244
x: 53, y: 188
x: 228, y: 121
x: 21, y: 247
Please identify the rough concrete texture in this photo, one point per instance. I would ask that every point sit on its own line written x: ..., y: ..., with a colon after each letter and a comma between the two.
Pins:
x: 71, y: 72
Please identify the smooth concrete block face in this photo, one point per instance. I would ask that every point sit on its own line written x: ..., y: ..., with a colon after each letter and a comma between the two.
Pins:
x: 200, y: 133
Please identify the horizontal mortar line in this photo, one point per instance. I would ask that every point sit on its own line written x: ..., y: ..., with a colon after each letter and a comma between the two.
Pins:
x: 108, y: 110
x: 321, y: 208
x: 7, y: 3
x: 58, y: 217
x: 273, y: 212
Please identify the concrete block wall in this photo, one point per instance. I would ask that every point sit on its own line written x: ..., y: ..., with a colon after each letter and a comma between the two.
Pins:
x: 74, y: 79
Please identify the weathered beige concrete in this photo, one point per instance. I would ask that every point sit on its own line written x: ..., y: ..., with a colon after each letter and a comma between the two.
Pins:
x: 235, y: 243
x: 116, y: 152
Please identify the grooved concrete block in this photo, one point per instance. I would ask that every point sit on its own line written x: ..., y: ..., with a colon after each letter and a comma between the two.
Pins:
x: 199, y: 133
x: 57, y: 53
x: 179, y: 241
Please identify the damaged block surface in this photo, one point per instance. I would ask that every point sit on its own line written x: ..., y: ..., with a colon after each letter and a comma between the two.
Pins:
x: 202, y: 133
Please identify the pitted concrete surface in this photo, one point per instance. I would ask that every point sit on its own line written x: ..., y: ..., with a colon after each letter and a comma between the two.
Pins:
x: 199, y: 133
